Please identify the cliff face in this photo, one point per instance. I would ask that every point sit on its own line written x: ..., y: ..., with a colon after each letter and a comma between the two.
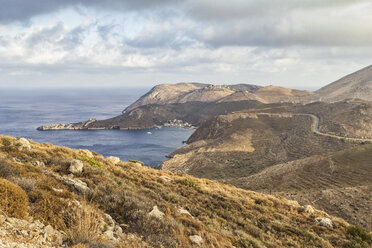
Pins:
x: 104, y: 202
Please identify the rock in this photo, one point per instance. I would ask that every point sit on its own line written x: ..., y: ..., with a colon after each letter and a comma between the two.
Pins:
x: 118, y: 230
x: 326, y: 222
x: 24, y: 144
x: 58, y: 190
x: 196, y: 239
x: 109, y: 235
x: 28, y: 234
x: 165, y: 178
x: 76, y: 166
x: 156, y: 213
x: 79, y: 185
x: 113, y: 159
x: 109, y: 222
x: 184, y: 211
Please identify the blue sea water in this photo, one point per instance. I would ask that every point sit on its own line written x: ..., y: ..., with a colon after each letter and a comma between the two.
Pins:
x: 22, y: 111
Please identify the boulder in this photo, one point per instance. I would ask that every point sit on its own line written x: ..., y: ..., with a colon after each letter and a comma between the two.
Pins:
x: 113, y: 159
x: 76, y: 166
x: 156, y: 213
x: 326, y: 222
x: 196, y: 239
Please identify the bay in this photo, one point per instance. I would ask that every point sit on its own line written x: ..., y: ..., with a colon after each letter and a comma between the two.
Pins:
x: 22, y: 111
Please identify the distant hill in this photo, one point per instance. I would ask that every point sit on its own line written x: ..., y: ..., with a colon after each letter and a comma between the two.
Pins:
x: 354, y: 85
x: 196, y: 92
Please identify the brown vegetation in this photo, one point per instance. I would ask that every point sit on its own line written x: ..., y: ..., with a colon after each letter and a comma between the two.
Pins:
x: 13, y: 200
x: 222, y: 215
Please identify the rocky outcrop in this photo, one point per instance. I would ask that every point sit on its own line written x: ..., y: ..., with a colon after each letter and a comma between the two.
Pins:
x: 76, y: 166
x: 156, y: 213
x: 326, y: 222
x: 70, y: 126
x: 28, y: 234
x: 196, y: 239
x: 114, y: 160
x: 23, y: 144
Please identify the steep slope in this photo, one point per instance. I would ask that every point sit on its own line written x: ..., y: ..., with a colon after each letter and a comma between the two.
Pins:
x: 340, y: 183
x: 354, y: 85
x: 104, y: 202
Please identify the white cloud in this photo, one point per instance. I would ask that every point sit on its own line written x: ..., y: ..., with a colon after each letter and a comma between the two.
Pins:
x: 286, y: 42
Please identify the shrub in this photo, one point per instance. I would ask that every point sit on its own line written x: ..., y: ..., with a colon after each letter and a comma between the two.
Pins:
x: 6, y: 170
x: 27, y: 184
x: 188, y: 181
x: 8, y: 145
x: 90, y: 160
x: 13, y: 200
x: 359, y: 237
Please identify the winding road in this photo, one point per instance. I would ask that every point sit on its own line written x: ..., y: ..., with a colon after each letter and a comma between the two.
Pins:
x: 315, y: 125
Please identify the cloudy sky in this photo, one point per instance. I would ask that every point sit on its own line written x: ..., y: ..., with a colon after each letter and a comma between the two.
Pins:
x: 118, y: 43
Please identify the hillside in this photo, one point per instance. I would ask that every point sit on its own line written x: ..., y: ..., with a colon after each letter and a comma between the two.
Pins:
x: 339, y: 183
x: 354, y: 85
x: 109, y: 203
x: 240, y: 146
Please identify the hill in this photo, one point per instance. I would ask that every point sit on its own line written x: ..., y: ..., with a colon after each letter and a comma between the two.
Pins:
x: 354, y: 85
x: 167, y: 104
x: 237, y: 147
x: 94, y: 201
x: 339, y: 183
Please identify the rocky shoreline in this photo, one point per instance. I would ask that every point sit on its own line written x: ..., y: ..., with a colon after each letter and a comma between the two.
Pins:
x: 85, y: 126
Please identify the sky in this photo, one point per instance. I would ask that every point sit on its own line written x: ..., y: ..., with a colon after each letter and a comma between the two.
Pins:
x: 302, y: 44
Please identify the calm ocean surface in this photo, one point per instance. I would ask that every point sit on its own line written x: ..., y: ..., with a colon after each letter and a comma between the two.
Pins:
x: 21, y: 112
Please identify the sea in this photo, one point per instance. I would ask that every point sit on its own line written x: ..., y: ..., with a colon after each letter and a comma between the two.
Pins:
x: 22, y: 111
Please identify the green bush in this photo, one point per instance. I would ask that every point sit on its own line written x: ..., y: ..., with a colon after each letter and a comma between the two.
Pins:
x: 359, y: 237
x: 188, y: 181
x: 13, y: 200
x: 90, y: 161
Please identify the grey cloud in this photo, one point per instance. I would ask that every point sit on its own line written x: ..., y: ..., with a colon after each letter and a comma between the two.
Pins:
x: 23, y: 10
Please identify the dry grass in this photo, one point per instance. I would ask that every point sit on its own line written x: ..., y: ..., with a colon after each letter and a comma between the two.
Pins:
x: 222, y: 215
x: 83, y: 223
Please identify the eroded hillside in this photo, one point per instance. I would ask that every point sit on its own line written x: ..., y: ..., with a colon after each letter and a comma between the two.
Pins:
x: 92, y: 201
